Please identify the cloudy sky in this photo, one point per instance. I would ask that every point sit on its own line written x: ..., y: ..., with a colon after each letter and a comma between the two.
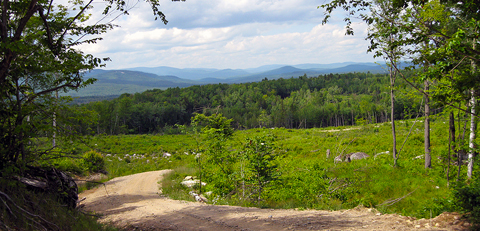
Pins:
x: 229, y: 34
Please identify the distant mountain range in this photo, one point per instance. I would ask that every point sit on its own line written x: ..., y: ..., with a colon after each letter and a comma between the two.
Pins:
x: 139, y: 79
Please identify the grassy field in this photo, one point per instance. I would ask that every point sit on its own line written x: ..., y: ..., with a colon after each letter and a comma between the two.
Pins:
x: 305, y: 177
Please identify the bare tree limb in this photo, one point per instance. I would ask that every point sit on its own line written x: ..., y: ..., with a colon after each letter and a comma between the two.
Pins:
x: 29, y: 214
x: 8, y: 208
x: 392, y: 202
x: 96, y: 182
x: 415, y: 121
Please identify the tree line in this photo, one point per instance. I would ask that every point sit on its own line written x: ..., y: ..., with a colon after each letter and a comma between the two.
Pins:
x: 303, y: 102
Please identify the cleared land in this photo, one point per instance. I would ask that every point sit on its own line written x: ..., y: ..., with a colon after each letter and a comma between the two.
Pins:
x: 135, y: 203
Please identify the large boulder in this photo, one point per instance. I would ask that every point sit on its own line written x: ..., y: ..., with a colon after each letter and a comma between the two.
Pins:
x: 351, y: 156
x: 357, y: 156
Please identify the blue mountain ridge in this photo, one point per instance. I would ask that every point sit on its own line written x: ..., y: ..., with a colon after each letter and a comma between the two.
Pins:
x: 139, y: 79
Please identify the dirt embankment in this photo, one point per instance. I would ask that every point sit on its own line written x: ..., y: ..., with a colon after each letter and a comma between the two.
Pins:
x: 135, y: 203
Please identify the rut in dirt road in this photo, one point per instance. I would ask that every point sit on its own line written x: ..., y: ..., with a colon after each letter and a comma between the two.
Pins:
x: 135, y: 203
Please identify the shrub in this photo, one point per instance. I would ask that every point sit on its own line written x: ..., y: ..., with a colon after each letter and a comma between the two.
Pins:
x: 468, y: 199
x: 93, y: 161
x: 68, y: 165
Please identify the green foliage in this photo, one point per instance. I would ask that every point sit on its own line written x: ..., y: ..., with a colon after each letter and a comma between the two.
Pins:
x: 305, y: 177
x: 304, y: 102
x: 214, y: 126
x: 260, y: 168
x: 467, y: 198
x: 216, y: 162
x: 439, y: 37
x: 44, y: 211
x: 435, y: 206
x: 68, y: 165
x: 40, y: 59
x: 145, y: 152
x: 171, y: 184
x: 93, y: 161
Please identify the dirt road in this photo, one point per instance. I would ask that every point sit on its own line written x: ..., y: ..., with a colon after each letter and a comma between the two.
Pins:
x: 134, y: 203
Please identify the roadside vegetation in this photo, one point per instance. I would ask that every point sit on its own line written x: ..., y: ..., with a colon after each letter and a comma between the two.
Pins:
x: 30, y: 210
x: 296, y: 173
x: 306, y: 178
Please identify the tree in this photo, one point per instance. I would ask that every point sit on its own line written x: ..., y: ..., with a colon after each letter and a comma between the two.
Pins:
x: 383, y: 34
x: 261, y: 169
x: 439, y: 35
x: 38, y: 57
x: 216, y: 131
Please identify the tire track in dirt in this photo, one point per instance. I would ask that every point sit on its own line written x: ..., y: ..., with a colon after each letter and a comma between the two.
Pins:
x: 135, y: 203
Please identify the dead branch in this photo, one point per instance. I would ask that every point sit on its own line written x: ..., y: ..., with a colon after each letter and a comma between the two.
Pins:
x: 341, y: 186
x: 332, y: 181
x: 28, y: 213
x: 96, y: 182
x: 391, y: 202
x: 415, y: 121
x: 347, y: 146
x: 8, y: 208
x: 4, y: 226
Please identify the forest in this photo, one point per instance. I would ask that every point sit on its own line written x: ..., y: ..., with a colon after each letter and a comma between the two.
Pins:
x: 303, y: 102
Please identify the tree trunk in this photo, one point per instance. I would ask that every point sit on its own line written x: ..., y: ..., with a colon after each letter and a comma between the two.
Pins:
x: 473, y: 125
x: 451, y: 143
x: 471, y: 142
x: 392, y: 116
x: 428, y: 158
x: 461, y: 138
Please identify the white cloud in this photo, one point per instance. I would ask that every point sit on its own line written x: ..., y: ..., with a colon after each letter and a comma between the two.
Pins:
x: 229, y: 34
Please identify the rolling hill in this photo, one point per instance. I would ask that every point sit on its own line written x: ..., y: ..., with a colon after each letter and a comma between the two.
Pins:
x: 117, y: 82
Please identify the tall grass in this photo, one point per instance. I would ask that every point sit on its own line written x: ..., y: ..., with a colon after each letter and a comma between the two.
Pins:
x: 171, y: 183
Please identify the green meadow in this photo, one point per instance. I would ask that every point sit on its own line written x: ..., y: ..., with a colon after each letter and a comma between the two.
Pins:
x: 304, y: 177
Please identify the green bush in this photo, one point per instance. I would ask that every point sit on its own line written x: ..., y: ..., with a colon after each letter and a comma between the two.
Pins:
x: 93, y: 161
x: 68, y: 165
x: 468, y: 199
x: 436, y: 205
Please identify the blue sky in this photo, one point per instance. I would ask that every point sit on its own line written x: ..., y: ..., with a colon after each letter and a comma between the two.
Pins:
x: 229, y: 34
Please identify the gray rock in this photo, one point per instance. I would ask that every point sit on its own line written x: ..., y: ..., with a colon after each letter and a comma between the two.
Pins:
x: 357, y: 156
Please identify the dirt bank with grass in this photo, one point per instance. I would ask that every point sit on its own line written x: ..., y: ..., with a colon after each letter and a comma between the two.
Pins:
x: 135, y: 203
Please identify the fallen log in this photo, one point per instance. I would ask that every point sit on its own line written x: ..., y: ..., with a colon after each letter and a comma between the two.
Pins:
x: 51, y: 181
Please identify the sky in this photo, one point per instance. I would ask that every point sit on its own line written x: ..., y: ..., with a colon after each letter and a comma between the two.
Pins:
x: 222, y: 34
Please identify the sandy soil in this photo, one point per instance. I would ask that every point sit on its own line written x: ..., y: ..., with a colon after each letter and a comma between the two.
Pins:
x: 135, y: 203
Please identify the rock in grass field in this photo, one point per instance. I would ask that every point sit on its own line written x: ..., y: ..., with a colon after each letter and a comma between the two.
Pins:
x: 190, y: 181
x: 350, y: 157
x: 357, y: 156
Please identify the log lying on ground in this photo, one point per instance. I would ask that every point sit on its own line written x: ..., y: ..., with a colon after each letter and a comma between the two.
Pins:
x: 51, y: 181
